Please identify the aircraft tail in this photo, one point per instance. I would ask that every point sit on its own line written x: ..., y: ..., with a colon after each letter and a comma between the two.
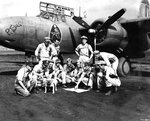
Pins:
x: 144, y: 10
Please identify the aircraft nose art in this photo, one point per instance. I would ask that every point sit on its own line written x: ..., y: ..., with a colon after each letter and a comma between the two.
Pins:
x: 55, y: 33
x: 11, y: 29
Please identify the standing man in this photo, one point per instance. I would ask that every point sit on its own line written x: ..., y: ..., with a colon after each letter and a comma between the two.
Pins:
x: 59, y: 55
x: 84, y: 50
x: 43, y: 50
x: 57, y: 46
x: 55, y: 50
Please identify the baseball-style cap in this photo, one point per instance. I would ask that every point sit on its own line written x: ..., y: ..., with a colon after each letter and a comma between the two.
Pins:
x: 84, y: 37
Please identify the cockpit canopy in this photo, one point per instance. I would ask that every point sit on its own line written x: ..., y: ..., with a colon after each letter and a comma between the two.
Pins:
x: 55, y: 12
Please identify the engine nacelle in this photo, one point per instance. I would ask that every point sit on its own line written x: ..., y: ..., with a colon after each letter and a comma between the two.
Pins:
x: 112, y: 37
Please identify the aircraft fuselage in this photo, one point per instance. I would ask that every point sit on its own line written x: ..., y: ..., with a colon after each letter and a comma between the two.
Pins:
x: 25, y: 33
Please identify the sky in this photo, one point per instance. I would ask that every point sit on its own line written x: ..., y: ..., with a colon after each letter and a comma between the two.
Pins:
x: 94, y: 8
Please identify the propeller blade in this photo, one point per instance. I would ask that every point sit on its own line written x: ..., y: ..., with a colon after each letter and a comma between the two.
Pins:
x: 112, y: 19
x: 81, y: 22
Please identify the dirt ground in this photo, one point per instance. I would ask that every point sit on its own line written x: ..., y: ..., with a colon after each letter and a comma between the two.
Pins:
x: 130, y: 103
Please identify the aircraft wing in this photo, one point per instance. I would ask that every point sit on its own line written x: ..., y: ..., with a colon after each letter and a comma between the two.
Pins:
x: 138, y: 35
x: 124, y: 21
x: 140, y: 23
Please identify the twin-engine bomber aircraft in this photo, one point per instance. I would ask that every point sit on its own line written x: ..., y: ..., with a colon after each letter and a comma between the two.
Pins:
x: 125, y: 38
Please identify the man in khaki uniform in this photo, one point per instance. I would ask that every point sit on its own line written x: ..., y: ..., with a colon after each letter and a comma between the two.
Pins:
x: 43, y: 51
x: 84, y: 50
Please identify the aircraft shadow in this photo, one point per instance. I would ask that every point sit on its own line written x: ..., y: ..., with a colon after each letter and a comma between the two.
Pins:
x: 14, y: 72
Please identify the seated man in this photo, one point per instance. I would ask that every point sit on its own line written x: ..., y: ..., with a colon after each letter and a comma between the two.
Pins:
x: 68, y: 69
x: 59, y: 71
x: 22, y: 86
x: 77, y: 71
x: 109, y: 79
x: 50, y: 78
x: 86, y: 77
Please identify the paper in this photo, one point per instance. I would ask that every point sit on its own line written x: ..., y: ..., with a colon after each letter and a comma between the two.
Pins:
x: 76, y: 90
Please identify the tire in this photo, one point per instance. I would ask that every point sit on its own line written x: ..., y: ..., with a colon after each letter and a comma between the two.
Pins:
x: 123, y: 67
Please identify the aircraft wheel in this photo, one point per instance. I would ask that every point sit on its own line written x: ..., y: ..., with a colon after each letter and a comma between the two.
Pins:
x: 123, y: 67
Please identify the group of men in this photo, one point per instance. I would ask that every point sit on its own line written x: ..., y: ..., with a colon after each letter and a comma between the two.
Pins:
x: 49, y: 72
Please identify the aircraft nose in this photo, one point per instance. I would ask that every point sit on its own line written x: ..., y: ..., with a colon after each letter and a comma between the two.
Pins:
x: 4, y: 31
x: 1, y: 30
x: 9, y: 29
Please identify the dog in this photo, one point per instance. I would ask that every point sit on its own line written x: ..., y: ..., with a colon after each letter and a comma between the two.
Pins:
x: 54, y: 85
x: 50, y: 82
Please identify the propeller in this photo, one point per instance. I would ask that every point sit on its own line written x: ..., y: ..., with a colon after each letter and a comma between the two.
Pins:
x: 81, y: 22
x: 105, y: 25
x: 112, y: 19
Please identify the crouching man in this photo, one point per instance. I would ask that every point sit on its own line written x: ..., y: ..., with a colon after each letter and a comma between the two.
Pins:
x: 108, y: 79
x: 23, y: 84
x: 109, y: 58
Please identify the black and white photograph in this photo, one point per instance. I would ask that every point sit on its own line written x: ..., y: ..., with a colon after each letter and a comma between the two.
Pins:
x: 75, y: 60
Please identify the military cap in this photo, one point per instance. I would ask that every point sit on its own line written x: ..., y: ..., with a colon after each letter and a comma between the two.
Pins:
x: 87, y: 64
x: 101, y: 62
x: 27, y: 62
x: 47, y: 38
x: 69, y: 59
x: 78, y: 61
x: 45, y: 62
x: 96, y: 52
x: 84, y: 37
x: 57, y: 61
x: 51, y: 61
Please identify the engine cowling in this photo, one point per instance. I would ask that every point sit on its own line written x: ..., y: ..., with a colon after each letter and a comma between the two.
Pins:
x: 111, y: 37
